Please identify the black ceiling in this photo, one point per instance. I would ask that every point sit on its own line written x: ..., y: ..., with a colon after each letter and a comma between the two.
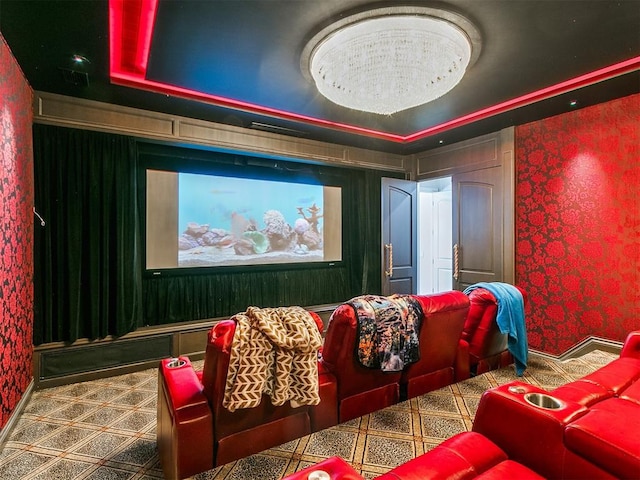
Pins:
x: 249, y: 51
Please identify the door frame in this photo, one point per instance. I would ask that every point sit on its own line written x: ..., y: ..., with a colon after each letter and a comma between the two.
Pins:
x: 496, y: 149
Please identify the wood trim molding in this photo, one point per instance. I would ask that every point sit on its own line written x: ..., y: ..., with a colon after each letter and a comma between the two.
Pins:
x: 53, y: 109
x: 184, y: 338
x: 587, y: 345
x: 495, y: 149
x: 5, y: 431
x: 472, y: 154
x: 507, y: 157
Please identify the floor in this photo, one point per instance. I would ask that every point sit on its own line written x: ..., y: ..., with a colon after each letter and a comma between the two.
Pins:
x: 105, y: 429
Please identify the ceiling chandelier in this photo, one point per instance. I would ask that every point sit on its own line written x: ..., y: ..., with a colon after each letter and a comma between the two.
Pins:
x: 391, y: 59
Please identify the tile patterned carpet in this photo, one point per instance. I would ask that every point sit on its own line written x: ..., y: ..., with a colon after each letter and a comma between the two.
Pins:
x: 105, y: 429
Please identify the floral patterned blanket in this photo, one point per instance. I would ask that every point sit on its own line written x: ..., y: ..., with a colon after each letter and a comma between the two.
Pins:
x: 388, y: 329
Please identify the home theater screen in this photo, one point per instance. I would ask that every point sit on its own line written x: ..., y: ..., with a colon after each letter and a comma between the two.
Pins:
x: 199, y: 219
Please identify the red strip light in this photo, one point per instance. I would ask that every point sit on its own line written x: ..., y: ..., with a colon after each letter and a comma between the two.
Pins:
x: 131, y: 24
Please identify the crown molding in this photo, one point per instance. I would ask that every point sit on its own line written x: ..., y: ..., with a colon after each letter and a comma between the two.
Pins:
x: 60, y: 110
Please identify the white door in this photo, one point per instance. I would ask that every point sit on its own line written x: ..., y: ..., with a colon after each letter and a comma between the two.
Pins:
x: 435, y: 232
x: 442, y: 260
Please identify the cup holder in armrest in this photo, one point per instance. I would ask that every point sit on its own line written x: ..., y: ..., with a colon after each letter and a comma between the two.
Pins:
x: 517, y: 389
x: 319, y: 475
x: 176, y: 363
x: 543, y: 400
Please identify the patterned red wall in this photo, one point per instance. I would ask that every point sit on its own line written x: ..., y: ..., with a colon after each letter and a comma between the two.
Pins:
x: 578, y: 224
x: 16, y: 234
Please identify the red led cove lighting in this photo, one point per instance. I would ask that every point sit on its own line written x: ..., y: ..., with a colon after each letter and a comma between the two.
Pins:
x: 131, y: 24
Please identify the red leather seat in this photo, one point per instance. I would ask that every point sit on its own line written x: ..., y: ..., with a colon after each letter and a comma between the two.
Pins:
x: 196, y: 433
x: 443, y: 356
x: 465, y: 456
x: 360, y: 390
x: 612, y: 429
x: 589, y: 428
x: 335, y: 467
x: 245, y: 431
x: 487, y: 345
x: 621, y: 377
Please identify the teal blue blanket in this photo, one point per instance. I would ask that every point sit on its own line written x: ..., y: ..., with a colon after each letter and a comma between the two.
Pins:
x: 510, y: 319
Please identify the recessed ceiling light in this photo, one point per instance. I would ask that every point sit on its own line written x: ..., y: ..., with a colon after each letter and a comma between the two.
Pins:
x: 80, y: 59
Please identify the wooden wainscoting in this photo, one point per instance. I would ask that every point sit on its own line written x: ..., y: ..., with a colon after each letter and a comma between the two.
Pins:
x: 56, y: 364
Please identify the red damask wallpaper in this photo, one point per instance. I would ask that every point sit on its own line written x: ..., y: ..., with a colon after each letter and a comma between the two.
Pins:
x: 16, y: 234
x: 578, y: 224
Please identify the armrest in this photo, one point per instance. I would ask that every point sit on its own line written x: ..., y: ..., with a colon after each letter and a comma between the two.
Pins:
x: 631, y: 347
x: 185, y: 421
x: 183, y: 388
x: 465, y: 455
x: 334, y: 468
x: 529, y: 434
x: 325, y: 414
x: 462, y: 367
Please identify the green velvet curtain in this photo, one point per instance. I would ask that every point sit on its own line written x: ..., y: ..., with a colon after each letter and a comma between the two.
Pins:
x: 89, y: 268
x: 87, y: 256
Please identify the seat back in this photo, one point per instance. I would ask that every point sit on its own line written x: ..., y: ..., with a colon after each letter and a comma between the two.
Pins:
x: 360, y: 390
x: 487, y: 345
x: 245, y: 431
x: 631, y: 347
x: 443, y: 317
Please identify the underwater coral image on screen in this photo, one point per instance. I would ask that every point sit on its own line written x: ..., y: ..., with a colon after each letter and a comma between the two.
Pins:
x: 197, y: 220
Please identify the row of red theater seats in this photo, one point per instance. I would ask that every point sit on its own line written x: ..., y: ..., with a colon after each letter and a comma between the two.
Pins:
x: 196, y: 433
x: 585, y: 429
x: 467, y: 455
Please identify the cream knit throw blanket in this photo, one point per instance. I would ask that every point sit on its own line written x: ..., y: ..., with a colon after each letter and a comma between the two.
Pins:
x: 274, y: 351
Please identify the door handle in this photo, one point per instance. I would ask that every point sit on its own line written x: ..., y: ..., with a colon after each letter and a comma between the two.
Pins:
x: 389, y: 250
x: 456, y: 262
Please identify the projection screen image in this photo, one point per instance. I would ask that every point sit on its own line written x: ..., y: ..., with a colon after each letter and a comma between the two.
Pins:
x: 197, y: 220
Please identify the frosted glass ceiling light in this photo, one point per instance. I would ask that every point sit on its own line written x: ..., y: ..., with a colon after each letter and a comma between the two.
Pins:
x: 391, y: 59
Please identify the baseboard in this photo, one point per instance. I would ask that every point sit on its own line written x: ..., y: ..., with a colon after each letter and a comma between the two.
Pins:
x: 5, y: 432
x: 587, y: 345
x: 89, y: 361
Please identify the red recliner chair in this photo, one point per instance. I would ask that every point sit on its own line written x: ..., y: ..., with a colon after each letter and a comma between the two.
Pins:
x: 465, y: 456
x: 487, y: 345
x: 587, y: 428
x: 196, y: 433
x: 443, y: 355
x: 360, y: 390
